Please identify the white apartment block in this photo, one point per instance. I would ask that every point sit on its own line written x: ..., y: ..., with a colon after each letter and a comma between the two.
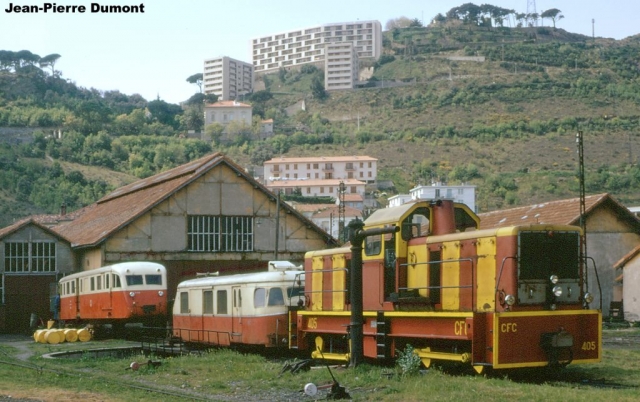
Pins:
x: 303, y: 46
x: 318, y: 188
x: 341, y: 67
x: 225, y: 112
x: 228, y: 78
x: 465, y: 194
x: 361, y: 168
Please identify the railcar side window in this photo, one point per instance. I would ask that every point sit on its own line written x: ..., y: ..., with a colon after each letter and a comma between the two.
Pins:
x: 184, y: 302
x: 259, y: 297
x: 116, y: 281
x: 134, y: 280
x: 221, y: 299
x: 207, y: 302
x: 93, y: 283
x: 99, y: 283
x: 106, y: 281
x: 153, y: 279
x: 275, y: 297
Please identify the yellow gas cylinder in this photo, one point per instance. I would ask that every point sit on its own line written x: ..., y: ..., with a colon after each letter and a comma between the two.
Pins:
x: 36, y: 334
x: 70, y: 335
x: 84, y: 335
x: 52, y: 336
x: 41, y: 334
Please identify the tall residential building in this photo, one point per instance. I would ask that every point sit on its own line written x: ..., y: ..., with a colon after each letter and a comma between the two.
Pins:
x: 303, y: 46
x: 228, y: 78
x: 340, y: 66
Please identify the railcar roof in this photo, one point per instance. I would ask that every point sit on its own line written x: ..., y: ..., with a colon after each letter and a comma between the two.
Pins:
x: 140, y: 266
x: 261, y: 277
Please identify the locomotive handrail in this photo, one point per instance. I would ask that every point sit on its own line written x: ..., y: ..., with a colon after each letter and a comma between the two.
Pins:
x: 501, y: 268
x: 470, y: 260
x: 595, y: 270
x: 346, y: 270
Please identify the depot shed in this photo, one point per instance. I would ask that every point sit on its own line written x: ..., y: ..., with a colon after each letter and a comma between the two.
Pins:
x: 204, y: 216
x: 35, y: 257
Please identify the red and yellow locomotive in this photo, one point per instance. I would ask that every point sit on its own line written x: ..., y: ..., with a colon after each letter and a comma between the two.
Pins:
x: 511, y: 297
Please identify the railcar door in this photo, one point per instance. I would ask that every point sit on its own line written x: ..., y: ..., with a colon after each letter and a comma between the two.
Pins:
x: 236, y: 312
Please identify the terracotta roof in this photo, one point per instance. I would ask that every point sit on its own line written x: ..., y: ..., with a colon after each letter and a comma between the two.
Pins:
x: 353, y: 198
x: 311, y: 207
x: 566, y: 212
x: 119, y: 208
x: 320, y: 159
x: 348, y: 211
x: 229, y: 103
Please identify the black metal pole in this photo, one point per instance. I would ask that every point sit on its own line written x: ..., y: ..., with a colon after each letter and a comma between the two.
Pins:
x: 357, y: 236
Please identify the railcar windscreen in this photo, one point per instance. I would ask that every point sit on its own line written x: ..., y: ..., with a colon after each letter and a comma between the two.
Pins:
x: 542, y: 254
x: 134, y: 280
x: 153, y: 279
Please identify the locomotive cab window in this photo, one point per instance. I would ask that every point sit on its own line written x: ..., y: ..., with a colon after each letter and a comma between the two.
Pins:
x: 373, y: 245
x: 416, y: 224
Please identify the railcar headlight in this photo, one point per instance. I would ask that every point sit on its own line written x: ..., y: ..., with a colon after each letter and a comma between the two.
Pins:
x: 588, y: 297
x: 510, y: 300
x: 132, y: 294
x: 553, y: 307
x: 160, y: 293
x: 553, y: 279
x: 557, y: 291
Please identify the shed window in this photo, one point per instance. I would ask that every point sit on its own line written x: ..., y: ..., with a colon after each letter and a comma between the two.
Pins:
x: 208, y: 233
x: 30, y: 256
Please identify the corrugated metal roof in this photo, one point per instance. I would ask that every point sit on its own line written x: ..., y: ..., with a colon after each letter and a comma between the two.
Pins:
x: 25, y: 222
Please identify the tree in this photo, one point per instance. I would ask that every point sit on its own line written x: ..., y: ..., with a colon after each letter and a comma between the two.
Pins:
x: 400, y: 22
x: 196, y: 79
x: 553, y: 14
x: 50, y: 61
x: 415, y: 23
x: 317, y: 88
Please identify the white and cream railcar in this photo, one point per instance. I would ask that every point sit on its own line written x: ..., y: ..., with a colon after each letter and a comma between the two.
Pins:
x: 244, y: 309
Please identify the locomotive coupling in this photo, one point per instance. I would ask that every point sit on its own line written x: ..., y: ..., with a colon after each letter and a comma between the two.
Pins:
x: 557, y: 346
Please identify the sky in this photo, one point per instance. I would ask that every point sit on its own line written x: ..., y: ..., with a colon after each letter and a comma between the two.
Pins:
x: 154, y: 52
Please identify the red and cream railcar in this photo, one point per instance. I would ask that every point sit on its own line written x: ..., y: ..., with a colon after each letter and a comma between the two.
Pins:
x: 511, y: 297
x: 117, y: 294
x: 243, y: 309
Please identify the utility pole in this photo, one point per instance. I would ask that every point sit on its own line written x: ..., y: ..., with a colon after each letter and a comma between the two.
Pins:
x: 341, y: 218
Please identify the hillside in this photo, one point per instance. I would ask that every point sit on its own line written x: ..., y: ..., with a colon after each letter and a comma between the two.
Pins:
x: 495, y: 107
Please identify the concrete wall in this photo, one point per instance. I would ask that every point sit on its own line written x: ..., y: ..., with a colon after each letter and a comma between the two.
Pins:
x: 608, y: 240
